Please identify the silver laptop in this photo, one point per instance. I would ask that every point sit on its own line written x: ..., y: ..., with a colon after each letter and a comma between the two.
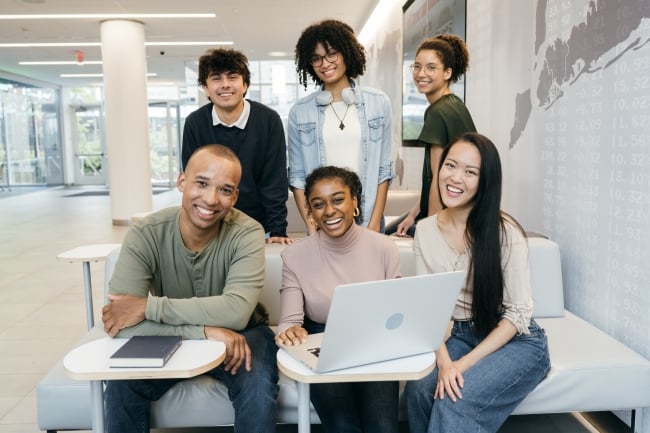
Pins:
x: 381, y: 320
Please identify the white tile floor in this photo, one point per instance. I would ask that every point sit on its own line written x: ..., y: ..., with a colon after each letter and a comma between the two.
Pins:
x: 42, y: 306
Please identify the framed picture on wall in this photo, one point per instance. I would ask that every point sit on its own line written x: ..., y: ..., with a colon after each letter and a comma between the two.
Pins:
x: 423, y: 19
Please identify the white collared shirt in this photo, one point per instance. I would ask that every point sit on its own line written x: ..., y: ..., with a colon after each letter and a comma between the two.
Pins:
x: 240, y: 123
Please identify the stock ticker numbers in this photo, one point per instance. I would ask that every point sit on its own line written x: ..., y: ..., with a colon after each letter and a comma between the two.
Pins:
x: 594, y: 95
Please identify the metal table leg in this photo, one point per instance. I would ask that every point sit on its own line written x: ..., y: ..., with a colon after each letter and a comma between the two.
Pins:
x: 90, y: 317
x: 304, y: 422
x: 97, y: 395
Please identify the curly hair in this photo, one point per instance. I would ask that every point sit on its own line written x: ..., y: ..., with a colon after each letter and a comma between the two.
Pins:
x: 349, y: 178
x: 452, y: 52
x: 220, y: 60
x: 332, y: 34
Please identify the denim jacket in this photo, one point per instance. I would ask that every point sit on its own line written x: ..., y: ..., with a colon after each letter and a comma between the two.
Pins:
x: 305, y: 140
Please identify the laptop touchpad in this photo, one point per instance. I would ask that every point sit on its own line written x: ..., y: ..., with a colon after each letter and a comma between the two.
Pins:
x: 394, y: 321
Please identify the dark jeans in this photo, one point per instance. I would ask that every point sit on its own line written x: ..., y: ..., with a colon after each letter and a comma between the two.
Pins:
x: 391, y: 228
x: 370, y: 407
x: 252, y: 393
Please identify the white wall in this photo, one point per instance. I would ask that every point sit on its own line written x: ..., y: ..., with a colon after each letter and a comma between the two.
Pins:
x: 384, y: 71
x: 564, y: 91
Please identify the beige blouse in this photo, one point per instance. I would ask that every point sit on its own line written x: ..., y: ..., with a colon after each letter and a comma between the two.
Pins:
x: 433, y: 254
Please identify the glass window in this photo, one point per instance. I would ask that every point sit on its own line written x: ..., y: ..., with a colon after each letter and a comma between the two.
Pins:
x: 30, y: 148
x: 164, y: 146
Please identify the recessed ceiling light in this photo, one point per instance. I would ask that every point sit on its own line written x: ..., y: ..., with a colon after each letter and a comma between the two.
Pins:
x: 99, y: 44
x: 100, y: 16
x: 81, y: 75
x: 50, y: 44
x: 279, y: 54
x: 38, y: 63
x: 150, y: 74
x: 182, y: 44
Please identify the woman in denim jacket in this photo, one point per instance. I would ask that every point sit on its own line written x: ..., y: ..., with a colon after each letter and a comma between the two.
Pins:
x: 340, y: 124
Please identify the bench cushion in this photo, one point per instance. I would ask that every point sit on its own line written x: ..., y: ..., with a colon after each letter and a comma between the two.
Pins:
x: 590, y: 371
x: 64, y: 403
x: 546, y: 277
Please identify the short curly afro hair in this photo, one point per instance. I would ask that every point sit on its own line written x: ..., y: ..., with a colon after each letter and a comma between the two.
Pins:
x: 332, y: 34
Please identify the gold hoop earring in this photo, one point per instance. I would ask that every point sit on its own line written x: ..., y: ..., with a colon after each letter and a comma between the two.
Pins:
x: 311, y: 220
x: 357, y: 212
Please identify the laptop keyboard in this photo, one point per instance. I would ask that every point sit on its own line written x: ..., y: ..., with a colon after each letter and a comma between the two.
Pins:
x: 314, y: 351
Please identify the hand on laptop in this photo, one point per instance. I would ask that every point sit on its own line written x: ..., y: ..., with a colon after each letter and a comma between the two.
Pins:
x: 291, y: 336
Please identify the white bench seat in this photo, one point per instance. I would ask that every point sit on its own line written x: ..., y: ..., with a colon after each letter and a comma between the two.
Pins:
x: 590, y: 371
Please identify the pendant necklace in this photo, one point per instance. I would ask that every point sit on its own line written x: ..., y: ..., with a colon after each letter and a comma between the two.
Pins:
x: 341, y: 124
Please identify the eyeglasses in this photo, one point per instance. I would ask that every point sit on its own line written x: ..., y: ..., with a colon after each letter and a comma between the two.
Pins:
x: 330, y: 56
x: 429, y: 67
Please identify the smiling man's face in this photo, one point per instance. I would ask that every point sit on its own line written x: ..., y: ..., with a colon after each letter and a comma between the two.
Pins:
x: 210, y: 189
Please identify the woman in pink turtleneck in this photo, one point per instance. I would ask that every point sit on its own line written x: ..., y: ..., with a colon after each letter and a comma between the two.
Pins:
x: 340, y: 252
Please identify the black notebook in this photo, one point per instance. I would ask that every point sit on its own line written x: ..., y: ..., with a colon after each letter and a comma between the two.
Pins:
x: 146, y: 351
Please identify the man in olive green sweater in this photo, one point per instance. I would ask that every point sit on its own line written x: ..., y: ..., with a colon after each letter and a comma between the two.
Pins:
x: 196, y: 271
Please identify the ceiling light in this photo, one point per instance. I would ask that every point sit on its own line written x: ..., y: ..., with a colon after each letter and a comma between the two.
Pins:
x: 51, y: 44
x: 377, y: 19
x: 81, y: 75
x: 99, y: 44
x: 279, y: 54
x: 182, y: 44
x: 38, y: 63
x: 100, y: 16
x: 151, y: 74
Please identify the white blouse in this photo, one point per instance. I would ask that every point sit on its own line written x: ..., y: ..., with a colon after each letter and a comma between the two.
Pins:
x: 342, y: 146
x: 433, y: 255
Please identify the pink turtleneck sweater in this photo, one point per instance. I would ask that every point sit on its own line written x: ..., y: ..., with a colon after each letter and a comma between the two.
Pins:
x: 315, y: 265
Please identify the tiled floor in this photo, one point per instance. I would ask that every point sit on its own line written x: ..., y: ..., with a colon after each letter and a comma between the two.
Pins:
x: 41, y: 301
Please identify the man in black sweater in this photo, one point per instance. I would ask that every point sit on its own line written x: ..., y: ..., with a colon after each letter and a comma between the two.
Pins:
x: 252, y: 130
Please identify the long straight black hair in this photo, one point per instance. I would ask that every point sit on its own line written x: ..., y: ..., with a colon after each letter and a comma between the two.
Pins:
x: 485, y: 234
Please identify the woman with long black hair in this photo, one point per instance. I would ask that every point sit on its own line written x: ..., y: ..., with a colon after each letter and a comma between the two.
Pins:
x: 496, y: 353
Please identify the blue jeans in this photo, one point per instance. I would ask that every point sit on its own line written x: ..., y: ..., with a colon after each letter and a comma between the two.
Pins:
x: 493, y: 388
x: 253, y: 393
x: 356, y: 407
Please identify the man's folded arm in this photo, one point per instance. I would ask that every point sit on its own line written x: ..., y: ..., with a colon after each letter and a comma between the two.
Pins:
x: 233, y: 308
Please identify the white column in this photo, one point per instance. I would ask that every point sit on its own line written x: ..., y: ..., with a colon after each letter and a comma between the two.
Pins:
x: 127, y: 131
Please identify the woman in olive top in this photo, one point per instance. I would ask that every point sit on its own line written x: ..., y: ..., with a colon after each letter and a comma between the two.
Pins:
x: 439, y: 62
